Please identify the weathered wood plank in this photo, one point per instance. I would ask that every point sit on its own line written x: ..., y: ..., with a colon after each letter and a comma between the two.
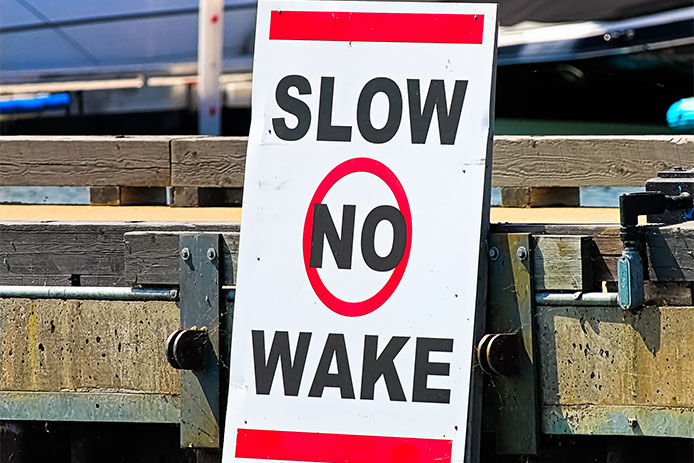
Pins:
x: 562, y: 262
x: 534, y: 196
x: 190, y: 196
x: 519, y: 161
x: 46, y: 253
x: 587, y: 160
x: 84, y: 161
x: 559, y: 161
x: 152, y: 258
x: 208, y: 162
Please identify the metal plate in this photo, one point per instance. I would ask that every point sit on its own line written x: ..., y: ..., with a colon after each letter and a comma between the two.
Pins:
x: 200, y: 306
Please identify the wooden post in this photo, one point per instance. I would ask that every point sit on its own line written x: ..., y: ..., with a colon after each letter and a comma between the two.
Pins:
x: 210, y: 46
x: 540, y: 196
x: 127, y: 196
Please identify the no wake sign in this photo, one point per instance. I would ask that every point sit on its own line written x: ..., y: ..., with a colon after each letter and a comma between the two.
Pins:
x: 366, y: 179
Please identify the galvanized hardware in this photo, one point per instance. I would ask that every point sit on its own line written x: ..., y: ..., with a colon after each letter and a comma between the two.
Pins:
x: 187, y: 349
x: 111, y: 293
x: 493, y: 253
x: 577, y: 299
x: 498, y: 354
x: 522, y: 253
x: 633, y: 422
x: 511, y: 404
x: 185, y: 253
x: 630, y: 279
x: 200, y: 303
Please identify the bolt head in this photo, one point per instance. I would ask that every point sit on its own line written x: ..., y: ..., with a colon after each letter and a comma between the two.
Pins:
x: 632, y: 422
x: 494, y: 253
x: 211, y: 254
x: 185, y: 253
x: 522, y: 253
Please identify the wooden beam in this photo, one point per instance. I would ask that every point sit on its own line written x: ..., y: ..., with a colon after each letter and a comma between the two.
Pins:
x: 208, y: 162
x: 587, y: 160
x: 86, y: 254
x: 152, y: 258
x: 539, y: 196
x: 562, y: 262
x: 566, y: 161
x: 519, y: 161
x: 84, y: 161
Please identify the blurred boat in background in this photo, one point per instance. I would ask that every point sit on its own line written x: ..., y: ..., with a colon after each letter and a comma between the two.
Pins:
x: 623, y: 61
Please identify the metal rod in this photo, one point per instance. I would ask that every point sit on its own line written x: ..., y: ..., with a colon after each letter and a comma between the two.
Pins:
x: 99, y: 293
x: 89, y: 292
x: 577, y: 299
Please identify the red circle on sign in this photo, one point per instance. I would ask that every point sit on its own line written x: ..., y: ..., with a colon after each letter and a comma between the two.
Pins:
x: 337, y: 305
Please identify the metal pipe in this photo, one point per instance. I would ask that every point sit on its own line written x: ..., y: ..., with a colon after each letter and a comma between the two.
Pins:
x: 577, y: 299
x: 210, y: 55
x: 99, y: 292
x: 89, y: 292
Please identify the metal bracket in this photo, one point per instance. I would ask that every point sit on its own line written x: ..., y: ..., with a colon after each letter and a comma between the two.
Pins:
x: 508, y: 353
x: 200, y: 305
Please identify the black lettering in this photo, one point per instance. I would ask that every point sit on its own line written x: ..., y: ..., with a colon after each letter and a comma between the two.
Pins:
x: 327, y: 131
x: 420, y: 120
x: 423, y: 368
x: 383, y: 365
x: 293, y: 106
x: 323, y: 226
x: 366, y: 128
x: 368, y: 235
x: 334, y: 347
x: 291, y: 371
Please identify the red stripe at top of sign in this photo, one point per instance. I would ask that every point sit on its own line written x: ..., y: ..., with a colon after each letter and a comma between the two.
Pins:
x: 376, y: 27
x: 339, y: 448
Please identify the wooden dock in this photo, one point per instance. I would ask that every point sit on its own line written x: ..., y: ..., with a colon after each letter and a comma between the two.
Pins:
x: 76, y: 372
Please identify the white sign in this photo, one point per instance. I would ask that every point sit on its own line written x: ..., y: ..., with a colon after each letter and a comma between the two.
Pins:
x: 363, y: 205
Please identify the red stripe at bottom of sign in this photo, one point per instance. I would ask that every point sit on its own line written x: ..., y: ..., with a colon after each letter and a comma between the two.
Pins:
x: 339, y: 448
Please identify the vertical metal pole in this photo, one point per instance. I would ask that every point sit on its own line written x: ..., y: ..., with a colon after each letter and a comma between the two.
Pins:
x: 210, y: 46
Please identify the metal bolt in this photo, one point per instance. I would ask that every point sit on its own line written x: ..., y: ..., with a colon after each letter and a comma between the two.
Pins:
x: 211, y: 254
x: 493, y: 253
x: 632, y: 422
x: 185, y: 253
x: 522, y: 253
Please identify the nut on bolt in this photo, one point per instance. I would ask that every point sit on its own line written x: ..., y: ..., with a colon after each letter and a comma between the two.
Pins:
x: 185, y: 253
x: 522, y: 253
x: 493, y: 253
x: 211, y: 254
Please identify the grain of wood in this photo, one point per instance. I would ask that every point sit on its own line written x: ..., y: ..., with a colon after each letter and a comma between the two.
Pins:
x: 562, y: 263
x: 152, y: 258
x: 87, y: 254
x: 587, y: 160
x: 556, y: 161
x: 84, y: 161
x: 208, y: 162
x: 519, y: 161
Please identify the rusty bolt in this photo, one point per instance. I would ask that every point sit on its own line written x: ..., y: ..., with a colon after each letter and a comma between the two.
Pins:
x: 185, y: 253
x: 493, y: 253
x: 522, y: 253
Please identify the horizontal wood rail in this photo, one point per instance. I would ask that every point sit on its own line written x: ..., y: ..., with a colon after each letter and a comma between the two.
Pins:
x: 206, y: 162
